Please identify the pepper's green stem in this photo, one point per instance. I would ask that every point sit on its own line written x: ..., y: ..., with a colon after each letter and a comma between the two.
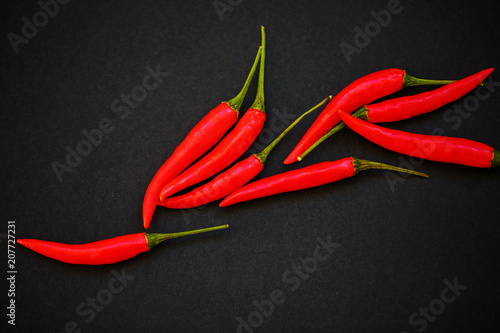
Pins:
x: 410, y: 81
x: 495, y: 161
x: 154, y: 239
x: 258, y: 104
x: 236, y: 102
x: 360, y: 165
x: 262, y: 156
x: 361, y: 113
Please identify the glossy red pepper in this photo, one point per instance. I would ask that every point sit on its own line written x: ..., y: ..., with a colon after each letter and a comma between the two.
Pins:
x: 107, y: 251
x: 360, y: 92
x: 429, y: 147
x: 233, y: 178
x: 410, y: 106
x: 234, y: 144
x: 200, y: 139
x: 310, y: 176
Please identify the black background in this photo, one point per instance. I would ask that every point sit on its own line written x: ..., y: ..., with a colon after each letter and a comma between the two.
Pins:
x: 397, y: 247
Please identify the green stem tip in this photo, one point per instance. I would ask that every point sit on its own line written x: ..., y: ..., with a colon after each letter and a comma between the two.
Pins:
x: 495, y: 160
x: 236, y: 102
x: 360, y: 165
x: 410, y: 81
x: 361, y: 113
x: 262, y: 156
x: 258, y: 104
x: 154, y: 239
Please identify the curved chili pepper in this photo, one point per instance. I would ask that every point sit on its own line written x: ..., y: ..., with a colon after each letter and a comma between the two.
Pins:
x: 310, y: 176
x: 234, y: 144
x: 232, y: 179
x: 429, y: 147
x: 201, y: 138
x: 107, y: 251
x: 360, y: 92
x: 410, y: 106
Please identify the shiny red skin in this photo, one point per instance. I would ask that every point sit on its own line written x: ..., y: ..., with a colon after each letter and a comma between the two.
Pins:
x: 294, y: 180
x: 107, y: 251
x: 201, y: 138
x: 222, y: 185
x: 429, y: 147
x: 360, y: 92
x: 234, y: 144
x: 411, y: 106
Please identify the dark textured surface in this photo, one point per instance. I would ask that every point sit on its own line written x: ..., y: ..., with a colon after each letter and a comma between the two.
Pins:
x: 395, y: 247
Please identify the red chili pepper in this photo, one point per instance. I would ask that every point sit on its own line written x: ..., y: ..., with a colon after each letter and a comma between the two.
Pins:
x: 429, y: 147
x: 234, y: 144
x: 232, y: 179
x: 310, y: 176
x: 410, y: 106
x: 201, y: 138
x: 360, y: 92
x: 107, y: 251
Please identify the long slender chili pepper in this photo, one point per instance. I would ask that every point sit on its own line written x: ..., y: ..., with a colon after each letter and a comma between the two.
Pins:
x: 232, y: 179
x: 310, y: 176
x: 360, y: 92
x: 429, y: 147
x: 234, y: 144
x: 410, y: 106
x: 202, y: 137
x: 107, y: 251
